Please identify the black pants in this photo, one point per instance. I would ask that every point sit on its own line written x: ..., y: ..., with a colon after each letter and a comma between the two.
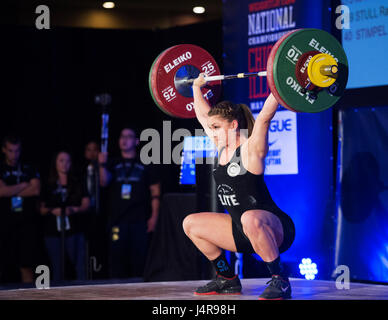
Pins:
x: 128, y: 249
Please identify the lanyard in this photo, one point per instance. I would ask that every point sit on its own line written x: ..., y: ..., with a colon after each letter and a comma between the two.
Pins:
x: 125, y: 173
x: 62, y: 191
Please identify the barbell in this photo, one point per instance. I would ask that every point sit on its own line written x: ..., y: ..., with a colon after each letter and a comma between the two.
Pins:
x: 307, y: 71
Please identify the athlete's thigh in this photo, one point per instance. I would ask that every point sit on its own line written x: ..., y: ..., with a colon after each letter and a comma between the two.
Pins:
x: 215, y: 228
x: 269, y: 219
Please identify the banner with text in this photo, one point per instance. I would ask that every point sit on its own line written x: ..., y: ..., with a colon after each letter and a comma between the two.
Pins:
x: 282, y: 157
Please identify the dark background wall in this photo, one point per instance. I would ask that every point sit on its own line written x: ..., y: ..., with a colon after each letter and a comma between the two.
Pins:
x: 52, y: 76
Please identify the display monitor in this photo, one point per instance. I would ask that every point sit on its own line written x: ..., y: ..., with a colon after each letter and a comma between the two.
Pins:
x: 195, y: 148
x: 365, y: 41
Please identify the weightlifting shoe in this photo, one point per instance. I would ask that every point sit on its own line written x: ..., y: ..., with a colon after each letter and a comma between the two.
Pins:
x: 279, y: 288
x: 220, y: 285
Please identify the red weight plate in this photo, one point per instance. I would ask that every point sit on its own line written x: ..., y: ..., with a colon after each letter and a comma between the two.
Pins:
x: 155, y: 74
x: 163, y: 79
x: 301, y: 69
x: 153, y: 87
x: 150, y: 77
x: 270, y: 63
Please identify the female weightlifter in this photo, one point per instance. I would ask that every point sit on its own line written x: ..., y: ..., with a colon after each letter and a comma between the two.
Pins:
x: 255, y: 224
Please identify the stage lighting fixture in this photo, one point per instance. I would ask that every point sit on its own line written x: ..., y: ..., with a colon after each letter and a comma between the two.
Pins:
x: 198, y: 10
x: 308, y: 269
x: 108, y: 5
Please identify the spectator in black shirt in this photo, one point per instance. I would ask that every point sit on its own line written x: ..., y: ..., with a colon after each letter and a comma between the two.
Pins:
x: 133, y: 204
x: 64, y: 190
x: 19, y: 188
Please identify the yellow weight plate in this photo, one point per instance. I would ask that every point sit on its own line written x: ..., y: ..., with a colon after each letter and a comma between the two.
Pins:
x: 322, y: 70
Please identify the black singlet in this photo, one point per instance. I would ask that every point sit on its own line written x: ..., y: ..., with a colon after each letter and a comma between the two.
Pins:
x: 240, y: 190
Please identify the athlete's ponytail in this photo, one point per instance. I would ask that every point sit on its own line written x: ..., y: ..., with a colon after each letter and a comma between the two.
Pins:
x: 249, y: 119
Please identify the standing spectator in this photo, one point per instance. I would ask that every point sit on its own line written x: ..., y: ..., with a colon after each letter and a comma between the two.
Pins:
x: 64, y: 190
x: 134, y: 206
x: 19, y: 189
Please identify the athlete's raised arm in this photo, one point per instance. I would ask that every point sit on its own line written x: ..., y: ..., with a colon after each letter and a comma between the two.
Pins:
x: 258, y: 141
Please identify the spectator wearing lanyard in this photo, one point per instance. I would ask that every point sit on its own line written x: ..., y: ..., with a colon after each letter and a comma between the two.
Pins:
x: 64, y: 190
x: 19, y: 189
x: 133, y: 206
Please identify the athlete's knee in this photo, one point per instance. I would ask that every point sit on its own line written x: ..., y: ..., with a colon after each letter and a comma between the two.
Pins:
x: 189, y: 223
x: 251, y: 223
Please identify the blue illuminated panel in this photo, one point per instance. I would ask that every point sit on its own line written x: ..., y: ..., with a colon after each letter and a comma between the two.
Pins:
x: 366, y: 42
x: 194, y: 148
